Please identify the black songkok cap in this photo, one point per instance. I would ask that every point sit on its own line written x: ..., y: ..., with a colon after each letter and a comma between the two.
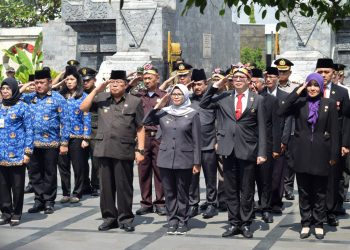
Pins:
x: 272, y: 71
x: 198, y: 75
x: 325, y: 63
x: 257, y: 73
x: 42, y: 74
x: 118, y: 74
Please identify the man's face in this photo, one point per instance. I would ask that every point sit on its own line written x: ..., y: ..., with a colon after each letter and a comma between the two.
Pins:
x: 42, y: 86
x: 341, y: 78
x: 271, y: 81
x: 284, y: 75
x: 199, y: 87
x: 184, y: 79
x: 257, y: 84
x: 89, y: 84
x: 117, y: 87
x: 10, y: 74
x: 150, y: 81
x: 335, y: 78
x: 327, y: 74
x: 240, y: 82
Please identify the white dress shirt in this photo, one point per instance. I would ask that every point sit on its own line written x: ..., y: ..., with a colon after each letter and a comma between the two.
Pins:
x: 244, y: 100
x: 274, y: 92
x: 328, y: 89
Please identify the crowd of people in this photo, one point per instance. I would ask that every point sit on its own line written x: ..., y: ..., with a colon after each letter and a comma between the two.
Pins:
x: 243, y: 127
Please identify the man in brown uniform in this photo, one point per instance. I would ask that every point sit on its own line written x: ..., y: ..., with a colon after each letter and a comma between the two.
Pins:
x: 119, y: 123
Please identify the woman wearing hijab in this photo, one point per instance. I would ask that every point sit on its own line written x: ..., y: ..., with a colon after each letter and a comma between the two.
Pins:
x: 79, y: 136
x: 314, y: 149
x: 179, y: 153
x: 16, y: 147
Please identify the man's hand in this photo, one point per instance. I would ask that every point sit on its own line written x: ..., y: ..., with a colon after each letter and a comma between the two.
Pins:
x: 283, y: 148
x: 275, y: 155
x: 102, y: 87
x: 260, y: 160
x: 63, y: 150
x: 332, y: 162
x: 139, y: 158
x: 26, y: 159
x: 344, y: 151
x: 84, y: 144
x: 196, y: 169
x: 221, y: 83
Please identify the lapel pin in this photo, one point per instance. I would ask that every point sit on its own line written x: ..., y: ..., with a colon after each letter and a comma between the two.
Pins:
x: 252, y: 99
x: 333, y: 92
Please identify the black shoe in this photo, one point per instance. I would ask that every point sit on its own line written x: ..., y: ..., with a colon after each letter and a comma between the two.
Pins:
x: 144, y: 210
x: 267, y: 217
x: 172, y: 230
x: 94, y: 192
x: 305, y: 235
x: 14, y: 223
x: 36, y: 209
x: 231, y: 231
x: 87, y: 191
x: 28, y: 189
x: 289, y: 196
x: 161, y: 211
x: 107, y: 225
x: 181, y: 230
x: 192, y: 211
x: 127, y: 227
x: 49, y: 210
x: 333, y: 221
x: 203, y: 206
x: 246, y: 232
x: 4, y: 221
x: 210, y: 212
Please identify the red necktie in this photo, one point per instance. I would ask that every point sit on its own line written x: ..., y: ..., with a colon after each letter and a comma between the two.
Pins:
x: 325, y: 92
x: 239, y: 106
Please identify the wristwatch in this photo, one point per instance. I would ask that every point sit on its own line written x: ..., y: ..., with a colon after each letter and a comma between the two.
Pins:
x: 141, y: 151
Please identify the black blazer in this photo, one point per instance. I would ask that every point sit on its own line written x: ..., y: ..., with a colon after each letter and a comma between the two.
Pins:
x: 311, y: 153
x: 246, y: 136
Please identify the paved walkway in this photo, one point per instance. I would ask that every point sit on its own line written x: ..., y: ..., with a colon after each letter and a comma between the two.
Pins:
x: 75, y: 227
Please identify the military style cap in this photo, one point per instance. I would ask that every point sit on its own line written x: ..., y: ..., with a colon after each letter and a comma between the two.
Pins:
x: 10, y: 69
x: 42, y: 74
x: 150, y: 69
x: 325, y: 63
x: 118, y: 75
x: 218, y: 73
x: 283, y: 64
x: 198, y: 75
x: 140, y: 70
x: 272, y: 71
x: 87, y: 73
x: 183, y: 68
x: 73, y: 62
x: 257, y: 73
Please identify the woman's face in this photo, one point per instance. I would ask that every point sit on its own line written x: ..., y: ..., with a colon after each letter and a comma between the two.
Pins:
x: 6, y: 92
x: 313, y: 89
x: 71, y: 82
x: 177, y: 97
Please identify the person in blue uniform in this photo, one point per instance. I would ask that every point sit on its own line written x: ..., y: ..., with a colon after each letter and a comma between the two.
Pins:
x: 79, y: 136
x: 16, y: 147
x: 51, y: 133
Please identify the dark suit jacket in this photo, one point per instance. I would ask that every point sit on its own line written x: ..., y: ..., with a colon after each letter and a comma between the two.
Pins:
x: 180, y: 146
x: 246, y: 136
x: 311, y: 152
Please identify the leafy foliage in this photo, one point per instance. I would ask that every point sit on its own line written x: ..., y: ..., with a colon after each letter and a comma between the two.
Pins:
x: 2, y: 76
x: 253, y: 56
x: 25, y: 13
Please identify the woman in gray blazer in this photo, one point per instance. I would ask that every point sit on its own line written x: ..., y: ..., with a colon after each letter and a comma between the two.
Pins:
x: 179, y: 153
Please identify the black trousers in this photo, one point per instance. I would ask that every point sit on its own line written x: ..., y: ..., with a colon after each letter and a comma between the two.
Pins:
x: 43, y: 171
x: 264, y: 183
x: 279, y: 166
x: 221, y: 188
x: 12, y: 191
x: 176, y: 185
x: 116, y: 178
x: 209, y: 166
x: 289, y: 174
x: 78, y: 156
x: 312, y: 199
x: 94, y: 183
x: 239, y: 182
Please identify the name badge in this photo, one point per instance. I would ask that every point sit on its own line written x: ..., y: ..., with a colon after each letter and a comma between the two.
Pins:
x: 2, y: 123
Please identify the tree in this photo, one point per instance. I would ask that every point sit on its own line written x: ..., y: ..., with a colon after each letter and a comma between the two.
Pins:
x: 253, y: 56
x: 25, y: 13
x: 252, y: 14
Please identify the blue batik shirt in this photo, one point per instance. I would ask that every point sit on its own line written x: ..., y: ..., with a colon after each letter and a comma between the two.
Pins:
x: 16, y: 134
x: 50, y: 119
x: 80, y: 121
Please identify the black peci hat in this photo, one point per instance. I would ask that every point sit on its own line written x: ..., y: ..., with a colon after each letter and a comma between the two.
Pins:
x: 42, y: 74
x: 198, y: 75
x: 272, y: 71
x: 31, y: 78
x: 257, y: 73
x: 325, y: 63
x: 118, y: 74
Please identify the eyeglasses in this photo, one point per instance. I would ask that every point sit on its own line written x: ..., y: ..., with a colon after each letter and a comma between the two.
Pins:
x: 176, y: 95
x: 239, y: 77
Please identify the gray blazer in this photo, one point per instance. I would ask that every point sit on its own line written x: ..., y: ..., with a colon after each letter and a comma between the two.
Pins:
x: 180, y: 146
x: 247, y: 136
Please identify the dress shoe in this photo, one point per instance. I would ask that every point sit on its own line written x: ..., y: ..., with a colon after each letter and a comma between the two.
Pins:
x: 192, y: 211
x: 64, y: 199
x: 332, y: 221
x: 49, y: 210
x: 267, y: 217
x: 4, y: 221
x: 182, y: 230
x: 319, y: 233
x: 246, y: 232
x: 36, y: 209
x: 160, y: 211
x: 172, y: 230
x: 305, y: 233
x: 289, y: 196
x: 127, y: 227
x: 203, y: 206
x: 210, y: 212
x: 74, y: 199
x: 107, y: 225
x: 144, y: 210
x: 231, y: 231
x: 94, y: 192
x: 14, y: 223
x: 28, y: 189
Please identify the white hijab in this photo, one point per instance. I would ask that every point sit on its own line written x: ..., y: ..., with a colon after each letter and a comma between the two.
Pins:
x: 184, y: 108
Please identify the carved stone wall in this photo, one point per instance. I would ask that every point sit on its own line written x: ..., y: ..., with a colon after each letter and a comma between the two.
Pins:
x: 84, y: 10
